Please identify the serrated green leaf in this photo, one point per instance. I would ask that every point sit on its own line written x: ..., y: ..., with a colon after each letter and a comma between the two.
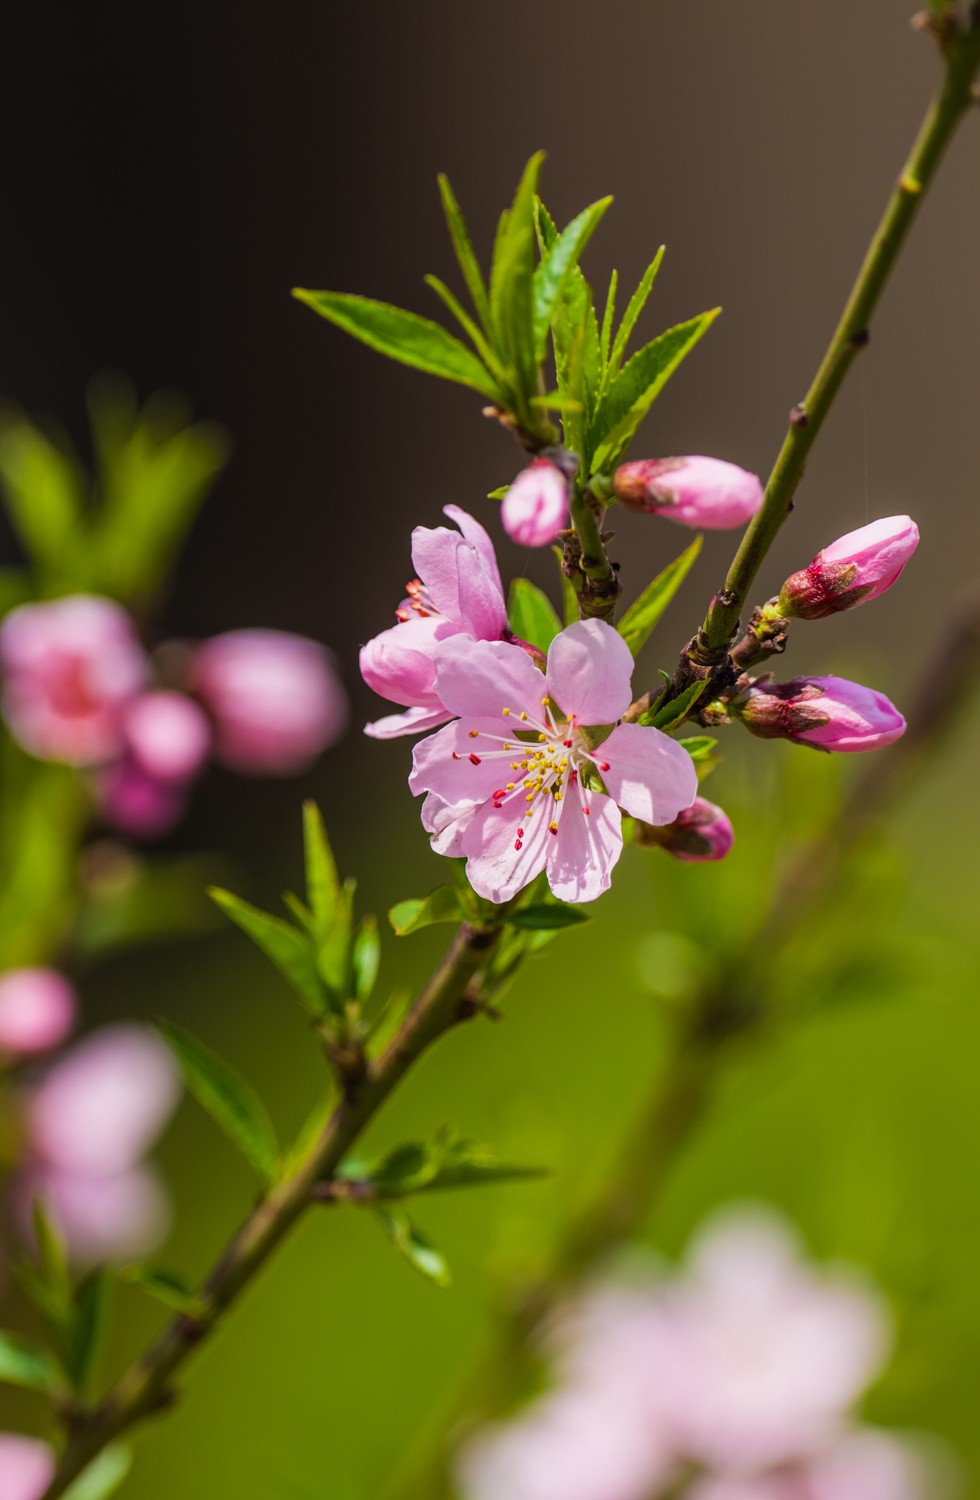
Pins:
x: 417, y: 1250
x: 553, y: 271
x: 630, y: 395
x: 365, y: 958
x: 468, y: 263
x: 229, y: 1100
x: 512, y: 284
x: 531, y: 615
x: 169, y: 1287
x: 445, y: 904
x: 608, y: 317
x: 548, y: 917
x: 675, y: 711
x: 643, y: 615
x: 27, y: 1364
x: 323, y: 887
x: 87, y: 1328
x: 452, y: 303
x: 292, y: 952
x: 449, y: 1161
x: 103, y: 1476
x: 403, y: 336
x: 634, y: 307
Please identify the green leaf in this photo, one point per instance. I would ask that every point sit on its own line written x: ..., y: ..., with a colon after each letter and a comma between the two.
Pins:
x: 630, y: 395
x: 164, y: 1285
x: 291, y: 951
x: 699, y: 746
x: 512, y: 284
x: 103, y: 1476
x: 605, y: 335
x: 530, y: 614
x: 228, y: 1099
x: 463, y: 247
x: 365, y: 958
x: 323, y: 888
x: 27, y: 1364
x: 548, y: 917
x: 46, y: 497
x: 445, y: 904
x: 417, y: 1250
x: 87, y: 1329
x: 634, y: 307
x: 52, y: 1253
x: 473, y: 333
x: 448, y: 1161
x: 553, y: 271
x: 675, y: 711
x: 643, y: 615
x: 403, y: 336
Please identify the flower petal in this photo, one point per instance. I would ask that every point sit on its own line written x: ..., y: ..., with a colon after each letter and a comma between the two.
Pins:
x: 457, y: 581
x: 447, y: 824
x: 412, y: 721
x: 650, y: 775
x: 582, y: 854
x: 398, y: 664
x: 496, y: 867
x: 451, y: 764
x: 479, y: 538
x: 482, y: 678
x: 589, y: 672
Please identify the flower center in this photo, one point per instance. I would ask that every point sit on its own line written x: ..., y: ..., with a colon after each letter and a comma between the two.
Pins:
x: 419, y: 602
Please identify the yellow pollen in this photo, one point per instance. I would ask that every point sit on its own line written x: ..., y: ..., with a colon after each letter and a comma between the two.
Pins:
x: 523, y: 717
x: 558, y: 796
x: 544, y: 703
x: 474, y: 734
x: 553, y: 827
x: 505, y: 711
x: 510, y: 786
x: 542, y: 736
x: 529, y: 797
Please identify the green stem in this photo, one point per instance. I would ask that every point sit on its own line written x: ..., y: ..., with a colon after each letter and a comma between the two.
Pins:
x: 593, y: 577
x: 947, y: 109
x: 146, y: 1386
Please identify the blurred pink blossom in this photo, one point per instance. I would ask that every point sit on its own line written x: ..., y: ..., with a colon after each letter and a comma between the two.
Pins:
x: 137, y: 804
x: 37, y: 1011
x: 830, y: 713
x: 863, y: 1464
x: 707, y: 493
x: 70, y: 667
x: 26, y: 1467
x: 535, y: 507
x: 275, y: 698
x: 852, y: 570
x: 168, y: 735
x: 458, y: 592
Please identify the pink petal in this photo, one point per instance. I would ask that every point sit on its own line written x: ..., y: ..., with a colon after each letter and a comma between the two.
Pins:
x: 447, y: 824
x: 496, y: 868
x: 412, y: 721
x: 397, y: 664
x: 457, y: 581
x: 582, y: 854
x: 589, y: 671
x: 26, y: 1467
x: 479, y: 679
x: 650, y: 775
x: 450, y: 763
x: 480, y: 539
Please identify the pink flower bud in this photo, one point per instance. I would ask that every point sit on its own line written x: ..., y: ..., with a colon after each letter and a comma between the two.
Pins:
x: 828, y: 712
x: 276, y: 700
x: 133, y: 802
x: 37, y: 1011
x: 701, y: 832
x: 167, y: 735
x: 26, y: 1467
x: 855, y: 568
x: 707, y: 493
x: 535, y: 508
x: 70, y: 667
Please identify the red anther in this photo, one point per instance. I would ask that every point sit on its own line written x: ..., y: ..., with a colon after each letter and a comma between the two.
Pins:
x: 456, y: 757
x: 499, y: 792
x: 520, y: 833
x: 401, y: 615
x: 476, y: 760
x: 498, y: 804
x: 603, y: 765
x: 567, y: 744
x: 518, y: 844
x: 587, y: 810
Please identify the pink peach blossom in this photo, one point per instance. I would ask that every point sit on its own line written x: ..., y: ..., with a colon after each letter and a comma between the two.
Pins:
x: 707, y: 493
x: 70, y: 667
x: 830, y: 713
x: 515, y: 806
x: 26, y: 1467
x: 458, y: 592
x: 168, y: 736
x: 134, y: 803
x: 37, y: 1011
x: 535, y: 508
x: 275, y: 700
x: 852, y: 570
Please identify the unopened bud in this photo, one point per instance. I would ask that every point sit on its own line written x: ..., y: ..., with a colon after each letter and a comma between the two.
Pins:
x: 37, y: 1011
x: 706, y: 493
x: 855, y: 568
x: 827, y: 712
x: 701, y: 832
x: 535, y: 508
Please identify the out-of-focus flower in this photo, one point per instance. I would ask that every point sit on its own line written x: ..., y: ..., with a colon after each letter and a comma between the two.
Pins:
x: 514, y: 807
x: 70, y: 667
x: 88, y: 1125
x: 707, y: 493
x: 852, y: 570
x: 458, y: 592
x: 828, y: 712
x: 701, y: 832
x: 275, y: 699
x: 167, y: 735
x: 26, y: 1467
x: 864, y: 1464
x: 133, y: 802
x: 535, y: 508
x: 37, y: 1011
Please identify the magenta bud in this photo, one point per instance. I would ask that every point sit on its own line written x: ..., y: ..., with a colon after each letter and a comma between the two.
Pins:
x: 137, y: 804
x: 275, y: 699
x: 535, y: 508
x: 827, y: 712
x: 701, y: 832
x: 26, y: 1467
x: 167, y: 735
x: 37, y: 1011
x: 706, y: 493
x: 855, y: 568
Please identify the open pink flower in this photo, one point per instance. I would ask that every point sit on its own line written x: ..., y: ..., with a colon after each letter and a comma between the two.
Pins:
x: 26, y: 1467
x: 514, y: 784
x: 70, y: 668
x: 458, y: 592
